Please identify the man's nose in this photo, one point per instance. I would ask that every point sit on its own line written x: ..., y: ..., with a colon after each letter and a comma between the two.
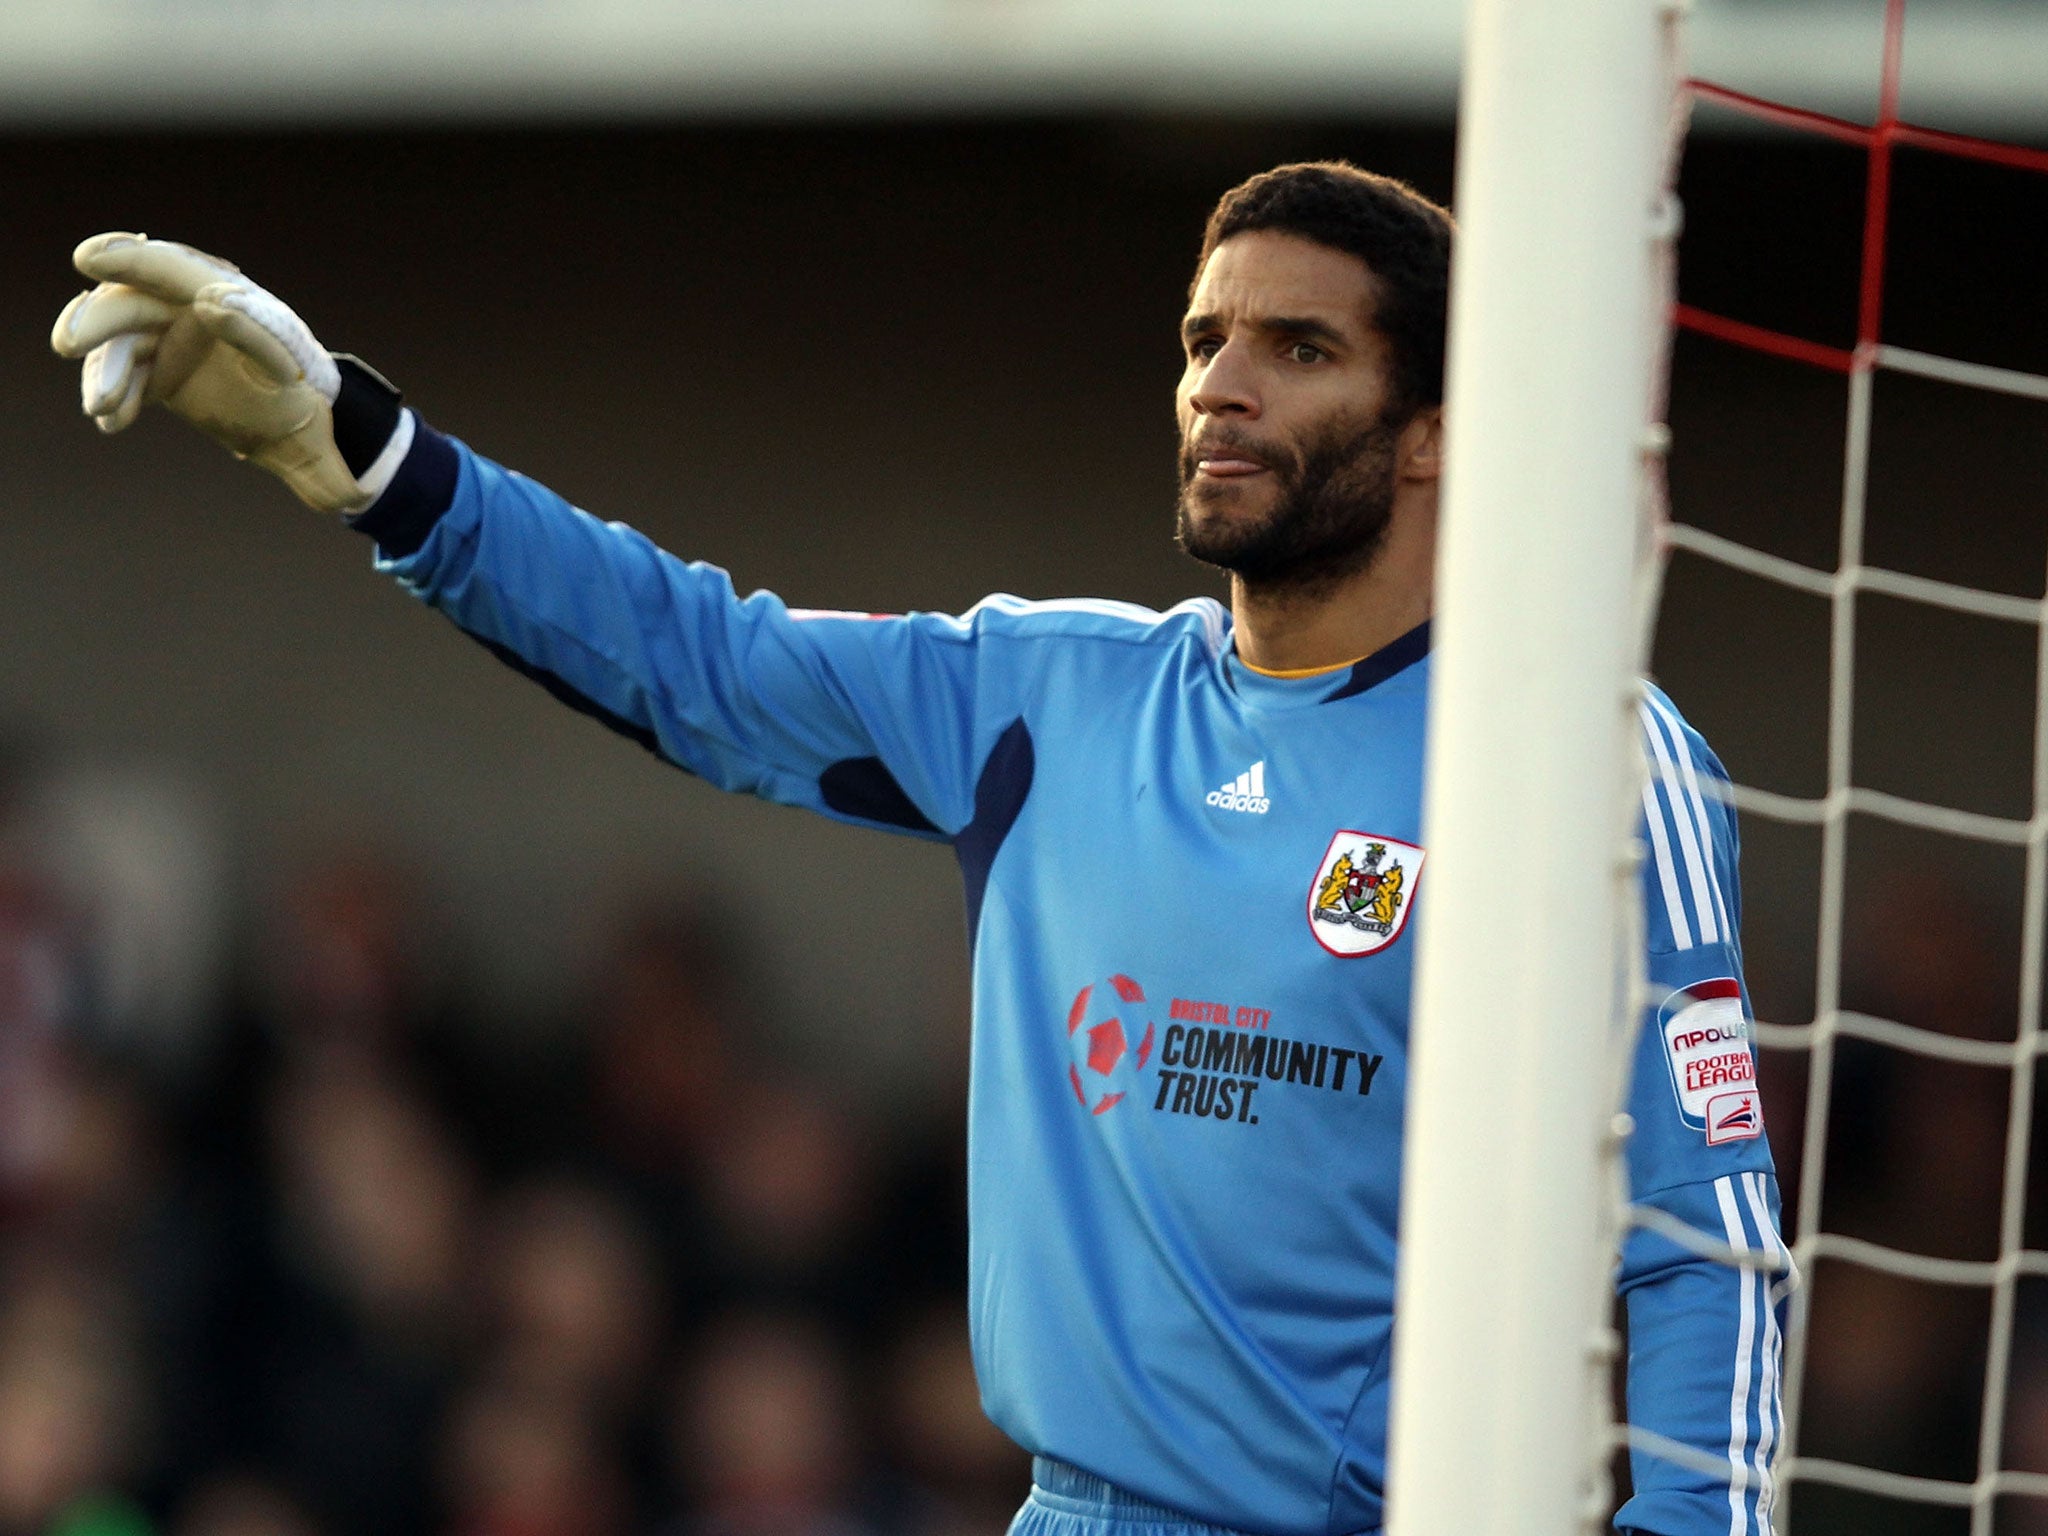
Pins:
x: 1227, y: 385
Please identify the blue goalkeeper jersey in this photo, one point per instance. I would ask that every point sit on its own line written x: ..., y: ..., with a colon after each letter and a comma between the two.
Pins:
x: 1192, y: 897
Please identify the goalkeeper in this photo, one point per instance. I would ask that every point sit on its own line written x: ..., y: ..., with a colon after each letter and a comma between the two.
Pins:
x: 1186, y: 1102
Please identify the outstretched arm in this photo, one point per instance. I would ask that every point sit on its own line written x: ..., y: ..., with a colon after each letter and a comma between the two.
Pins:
x: 883, y: 721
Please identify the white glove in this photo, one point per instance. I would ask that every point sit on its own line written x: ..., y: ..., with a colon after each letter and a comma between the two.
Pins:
x: 171, y: 324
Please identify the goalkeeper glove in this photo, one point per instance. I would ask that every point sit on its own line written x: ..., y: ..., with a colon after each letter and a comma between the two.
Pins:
x: 172, y: 324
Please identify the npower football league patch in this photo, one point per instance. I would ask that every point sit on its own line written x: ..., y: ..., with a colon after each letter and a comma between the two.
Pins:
x: 1713, y: 1069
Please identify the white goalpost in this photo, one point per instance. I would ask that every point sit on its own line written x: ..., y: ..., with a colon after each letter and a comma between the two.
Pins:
x: 1528, y: 978
x: 1558, y: 326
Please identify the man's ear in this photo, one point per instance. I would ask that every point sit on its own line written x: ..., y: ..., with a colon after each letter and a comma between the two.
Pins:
x: 1419, y: 451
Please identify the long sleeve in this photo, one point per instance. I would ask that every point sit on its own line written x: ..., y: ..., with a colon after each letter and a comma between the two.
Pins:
x: 1704, y: 1334
x: 880, y: 720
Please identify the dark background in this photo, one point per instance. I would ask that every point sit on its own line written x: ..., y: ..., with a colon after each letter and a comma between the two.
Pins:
x: 330, y: 892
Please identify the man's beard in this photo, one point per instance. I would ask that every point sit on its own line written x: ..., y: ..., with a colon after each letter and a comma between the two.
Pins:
x: 1335, y: 498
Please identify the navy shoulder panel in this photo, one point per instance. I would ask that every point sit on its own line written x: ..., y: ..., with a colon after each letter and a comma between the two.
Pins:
x: 861, y: 787
x: 999, y: 796
x: 1395, y: 656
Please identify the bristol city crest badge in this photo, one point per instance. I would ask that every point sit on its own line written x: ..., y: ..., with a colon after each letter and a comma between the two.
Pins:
x: 1362, y: 893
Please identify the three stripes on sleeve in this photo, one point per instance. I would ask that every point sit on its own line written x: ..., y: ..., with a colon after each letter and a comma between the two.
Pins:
x: 1686, y: 857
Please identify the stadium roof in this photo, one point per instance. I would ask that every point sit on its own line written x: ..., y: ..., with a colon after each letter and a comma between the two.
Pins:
x: 1970, y: 64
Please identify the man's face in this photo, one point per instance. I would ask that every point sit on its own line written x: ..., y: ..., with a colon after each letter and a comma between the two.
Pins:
x: 1287, y: 460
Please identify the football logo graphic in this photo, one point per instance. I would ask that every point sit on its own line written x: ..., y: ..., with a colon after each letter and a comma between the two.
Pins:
x: 1109, y: 1040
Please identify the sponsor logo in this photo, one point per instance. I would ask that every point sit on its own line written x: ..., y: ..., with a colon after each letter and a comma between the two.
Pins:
x: 1713, y: 1069
x: 1362, y: 892
x: 1246, y: 792
x: 1211, y: 1059
x: 1213, y: 1073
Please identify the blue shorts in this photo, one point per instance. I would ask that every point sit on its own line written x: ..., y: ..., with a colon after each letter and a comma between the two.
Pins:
x: 1065, y: 1501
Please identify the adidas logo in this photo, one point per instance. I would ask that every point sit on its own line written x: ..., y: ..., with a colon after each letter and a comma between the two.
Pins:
x: 1246, y: 792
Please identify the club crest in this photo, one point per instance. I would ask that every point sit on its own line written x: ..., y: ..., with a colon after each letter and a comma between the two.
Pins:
x: 1362, y: 892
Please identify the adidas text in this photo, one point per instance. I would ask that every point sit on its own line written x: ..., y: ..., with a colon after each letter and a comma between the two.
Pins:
x: 1247, y: 792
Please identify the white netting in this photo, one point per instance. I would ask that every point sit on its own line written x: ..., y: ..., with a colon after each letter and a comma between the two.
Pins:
x: 1829, y: 813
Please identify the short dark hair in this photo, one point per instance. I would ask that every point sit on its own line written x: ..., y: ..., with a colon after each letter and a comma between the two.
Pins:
x: 1403, y: 238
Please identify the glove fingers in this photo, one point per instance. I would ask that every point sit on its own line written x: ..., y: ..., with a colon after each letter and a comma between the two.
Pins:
x: 110, y: 370
x: 162, y: 267
x: 106, y: 312
x: 60, y: 333
x: 129, y: 406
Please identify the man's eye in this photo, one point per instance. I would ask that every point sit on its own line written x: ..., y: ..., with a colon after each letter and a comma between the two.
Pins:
x: 1204, y: 348
x: 1305, y: 352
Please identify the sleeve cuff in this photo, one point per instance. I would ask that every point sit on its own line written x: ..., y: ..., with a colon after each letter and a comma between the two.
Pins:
x: 421, y: 490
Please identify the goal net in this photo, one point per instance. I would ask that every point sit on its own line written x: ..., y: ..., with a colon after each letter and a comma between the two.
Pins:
x: 1864, y: 1283
x: 1515, y: 1368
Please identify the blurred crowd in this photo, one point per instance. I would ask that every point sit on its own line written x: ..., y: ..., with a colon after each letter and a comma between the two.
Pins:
x: 1916, y: 1153
x: 293, y: 1242
x: 315, y: 1253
